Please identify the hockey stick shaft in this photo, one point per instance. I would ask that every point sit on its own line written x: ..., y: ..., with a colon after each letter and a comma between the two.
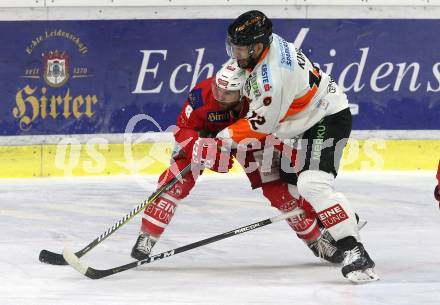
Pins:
x: 57, y: 259
x: 92, y: 273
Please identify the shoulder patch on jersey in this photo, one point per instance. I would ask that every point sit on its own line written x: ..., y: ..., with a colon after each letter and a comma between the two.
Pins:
x: 285, y: 53
x: 267, y: 101
x: 195, y: 98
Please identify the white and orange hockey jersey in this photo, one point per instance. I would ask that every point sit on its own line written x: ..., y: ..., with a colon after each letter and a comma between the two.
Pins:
x: 287, y: 94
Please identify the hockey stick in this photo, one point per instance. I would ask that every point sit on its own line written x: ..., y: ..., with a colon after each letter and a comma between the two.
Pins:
x: 92, y: 273
x: 52, y: 258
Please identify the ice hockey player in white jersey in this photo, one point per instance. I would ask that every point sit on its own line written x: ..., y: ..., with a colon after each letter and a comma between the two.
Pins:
x: 291, y: 98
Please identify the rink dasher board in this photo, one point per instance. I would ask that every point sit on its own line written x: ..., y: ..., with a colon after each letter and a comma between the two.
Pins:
x: 105, y: 155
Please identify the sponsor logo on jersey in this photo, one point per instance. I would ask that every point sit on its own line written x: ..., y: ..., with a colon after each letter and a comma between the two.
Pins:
x: 323, y: 104
x: 251, y: 86
x: 195, y: 98
x: 265, y: 75
x: 218, y: 117
x: 247, y: 87
x: 332, y: 216
x: 318, y: 141
x: 285, y: 54
x: 267, y: 101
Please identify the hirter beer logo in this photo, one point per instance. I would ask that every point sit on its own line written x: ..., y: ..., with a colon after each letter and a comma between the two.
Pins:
x: 44, y: 94
x: 56, y: 68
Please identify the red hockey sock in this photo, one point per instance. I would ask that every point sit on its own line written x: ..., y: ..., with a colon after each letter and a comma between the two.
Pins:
x: 158, y: 215
x: 306, y: 225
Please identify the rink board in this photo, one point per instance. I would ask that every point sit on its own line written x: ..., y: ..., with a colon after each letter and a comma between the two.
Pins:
x: 152, y: 158
x: 122, y: 78
x: 109, y: 71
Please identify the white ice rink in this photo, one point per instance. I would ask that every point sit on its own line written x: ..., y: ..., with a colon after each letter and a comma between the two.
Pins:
x: 265, y: 266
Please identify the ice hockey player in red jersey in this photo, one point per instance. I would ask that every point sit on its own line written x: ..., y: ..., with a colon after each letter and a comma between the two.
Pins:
x: 211, y: 106
x: 291, y: 98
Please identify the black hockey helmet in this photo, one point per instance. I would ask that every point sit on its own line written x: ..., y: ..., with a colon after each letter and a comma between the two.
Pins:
x: 250, y: 28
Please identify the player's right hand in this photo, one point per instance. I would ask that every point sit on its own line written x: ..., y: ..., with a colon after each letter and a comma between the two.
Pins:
x: 207, y: 153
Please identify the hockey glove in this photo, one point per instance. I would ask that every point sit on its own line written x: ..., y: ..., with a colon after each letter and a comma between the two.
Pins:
x: 210, y: 153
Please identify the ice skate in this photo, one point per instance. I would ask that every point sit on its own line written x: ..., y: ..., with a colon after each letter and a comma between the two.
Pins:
x: 358, y: 266
x: 142, y: 248
x: 325, y: 247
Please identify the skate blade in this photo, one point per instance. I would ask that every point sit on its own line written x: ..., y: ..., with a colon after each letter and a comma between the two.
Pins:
x: 365, y: 276
x: 362, y: 223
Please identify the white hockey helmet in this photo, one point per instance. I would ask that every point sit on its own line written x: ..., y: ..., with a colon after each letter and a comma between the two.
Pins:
x: 229, y: 78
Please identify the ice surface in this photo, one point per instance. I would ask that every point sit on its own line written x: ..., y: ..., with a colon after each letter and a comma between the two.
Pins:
x: 265, y: 266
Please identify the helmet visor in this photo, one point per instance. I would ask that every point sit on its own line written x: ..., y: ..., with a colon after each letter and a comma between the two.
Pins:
x: 238, y: 52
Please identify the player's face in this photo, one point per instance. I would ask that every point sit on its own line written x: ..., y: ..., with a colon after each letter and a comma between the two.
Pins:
x: 246, y: 56
x: 226, y: 99
x: 241, y: 53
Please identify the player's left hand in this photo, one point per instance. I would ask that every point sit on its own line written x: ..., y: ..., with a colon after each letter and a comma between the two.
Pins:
x: 208, y: 153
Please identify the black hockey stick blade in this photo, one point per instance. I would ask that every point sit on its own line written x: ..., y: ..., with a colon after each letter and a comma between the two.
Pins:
x: 92, y: 273
x: 52, y: 258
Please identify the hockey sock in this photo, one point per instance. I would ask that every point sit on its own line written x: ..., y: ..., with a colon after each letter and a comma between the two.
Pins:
x: 158, y: 215
x: 305, y: 225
